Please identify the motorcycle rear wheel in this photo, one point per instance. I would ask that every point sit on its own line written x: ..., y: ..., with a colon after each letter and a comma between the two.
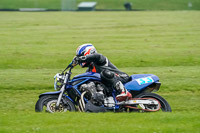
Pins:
x: 165, y: 107
x: 49, y: 102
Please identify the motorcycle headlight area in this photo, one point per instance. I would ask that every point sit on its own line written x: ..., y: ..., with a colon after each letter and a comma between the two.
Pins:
x: 58, y: 80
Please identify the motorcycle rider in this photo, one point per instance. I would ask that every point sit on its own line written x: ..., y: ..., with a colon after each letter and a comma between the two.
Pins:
x: 87, y: 56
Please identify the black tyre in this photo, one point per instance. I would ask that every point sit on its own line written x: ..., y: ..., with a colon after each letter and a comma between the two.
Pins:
x: 48, y: 103
x: 165, y: 107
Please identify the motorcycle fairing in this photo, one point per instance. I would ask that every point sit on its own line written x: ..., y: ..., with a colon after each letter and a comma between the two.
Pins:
x: 82, y: 80
x: 88, y: 74
x: 140, y: 81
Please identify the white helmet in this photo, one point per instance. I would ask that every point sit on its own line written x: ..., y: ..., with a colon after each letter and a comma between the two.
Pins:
x: 85, y: 49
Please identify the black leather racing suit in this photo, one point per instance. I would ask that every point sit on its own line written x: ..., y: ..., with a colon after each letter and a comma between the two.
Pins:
x: 110, y: 74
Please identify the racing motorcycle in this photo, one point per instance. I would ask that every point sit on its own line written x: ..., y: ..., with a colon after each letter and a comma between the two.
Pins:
x: 87, y: 93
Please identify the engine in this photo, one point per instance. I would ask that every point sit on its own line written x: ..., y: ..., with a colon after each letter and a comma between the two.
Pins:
x: 98, y: 94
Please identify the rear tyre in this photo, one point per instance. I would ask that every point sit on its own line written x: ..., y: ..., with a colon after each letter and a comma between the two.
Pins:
x: 48, y: 103
x: 165, y: 107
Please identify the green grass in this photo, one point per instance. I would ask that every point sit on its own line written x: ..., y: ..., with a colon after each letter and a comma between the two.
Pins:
x: 102, y: 122
x: 151, y: 38
x: 105, y: 4
x: 35, y: 46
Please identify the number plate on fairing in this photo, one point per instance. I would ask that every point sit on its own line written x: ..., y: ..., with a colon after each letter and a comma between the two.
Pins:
x: 145, y: 80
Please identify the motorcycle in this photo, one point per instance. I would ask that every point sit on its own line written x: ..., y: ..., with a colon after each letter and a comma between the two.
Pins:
x: 86, y: 93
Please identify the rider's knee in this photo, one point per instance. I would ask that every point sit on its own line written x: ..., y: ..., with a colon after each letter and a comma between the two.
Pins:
x: 108, y: 77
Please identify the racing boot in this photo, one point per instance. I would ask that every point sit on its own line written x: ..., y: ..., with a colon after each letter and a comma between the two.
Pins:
x: 124, y: 93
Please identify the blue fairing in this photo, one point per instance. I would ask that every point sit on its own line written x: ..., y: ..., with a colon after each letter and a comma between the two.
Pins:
x: 88, y: 74
x: 140, y: 81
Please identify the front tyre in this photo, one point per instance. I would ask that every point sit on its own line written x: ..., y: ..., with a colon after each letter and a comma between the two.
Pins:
x: 48, y: 103
x: 165, y: 107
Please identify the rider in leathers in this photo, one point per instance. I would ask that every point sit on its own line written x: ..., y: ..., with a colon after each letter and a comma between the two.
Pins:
x: 87, y: 56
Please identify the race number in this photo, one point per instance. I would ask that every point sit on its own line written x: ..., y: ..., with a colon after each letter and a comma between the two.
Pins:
x: 145, y: 80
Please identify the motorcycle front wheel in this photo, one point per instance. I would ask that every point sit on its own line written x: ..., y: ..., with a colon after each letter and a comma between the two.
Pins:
x: 48, y: 103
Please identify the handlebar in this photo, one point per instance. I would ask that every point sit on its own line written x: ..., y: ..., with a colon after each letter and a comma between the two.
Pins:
x: 70, y: 66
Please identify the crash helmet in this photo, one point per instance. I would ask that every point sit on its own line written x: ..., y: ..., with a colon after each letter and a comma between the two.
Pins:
x: 85, y: 49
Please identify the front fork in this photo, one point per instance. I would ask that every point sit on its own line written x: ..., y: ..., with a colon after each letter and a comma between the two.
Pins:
x: 62, y: 91
x: 60, y: 96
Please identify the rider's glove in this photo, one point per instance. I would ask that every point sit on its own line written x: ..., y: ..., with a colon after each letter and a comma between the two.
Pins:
x: 75, y: 61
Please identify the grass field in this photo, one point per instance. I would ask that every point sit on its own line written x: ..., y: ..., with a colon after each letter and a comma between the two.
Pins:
x: 105, y: 4
x: 35, y: 46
